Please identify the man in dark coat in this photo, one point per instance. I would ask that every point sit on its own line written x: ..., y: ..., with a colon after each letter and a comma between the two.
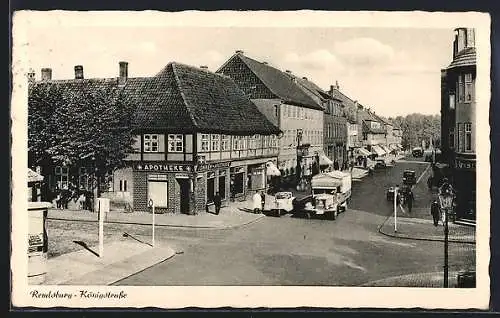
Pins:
x: 435, y: 212
x: 410, y: 199
x: 217, y: 203
x: 335, y: 165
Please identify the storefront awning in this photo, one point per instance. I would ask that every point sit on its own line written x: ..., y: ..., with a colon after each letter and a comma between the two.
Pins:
x: 325, y: 161
x: 362, y: 152
x: 272, y: 170
x: 378, y: 150
x: 33, y: 176
x: 385, y: 148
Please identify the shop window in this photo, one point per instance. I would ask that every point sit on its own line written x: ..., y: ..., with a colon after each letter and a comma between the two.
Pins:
x: 468, y: 87
x: 224, y: 143
x: 205, y: 139
x: 158, y: 190
x: 61, y: 175
x: 468, y: 136
x: 215, y: 142
x: 123, y: 185
x: 222, y: 186
x: 175, y: 143
x: 237, y: 181
x: 151, y: 143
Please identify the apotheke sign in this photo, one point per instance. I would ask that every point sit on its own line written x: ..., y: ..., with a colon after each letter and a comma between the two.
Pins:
x: 163, y: 167
x: 180, y: 167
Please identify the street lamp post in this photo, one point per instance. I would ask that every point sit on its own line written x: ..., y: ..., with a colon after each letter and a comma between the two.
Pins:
x: 446, y: 203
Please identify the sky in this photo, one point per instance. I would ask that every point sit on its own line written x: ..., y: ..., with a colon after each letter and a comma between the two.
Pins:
x: 393, y: 71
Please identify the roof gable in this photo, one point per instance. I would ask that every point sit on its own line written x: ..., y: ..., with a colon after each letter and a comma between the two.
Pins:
x: 277, y: 82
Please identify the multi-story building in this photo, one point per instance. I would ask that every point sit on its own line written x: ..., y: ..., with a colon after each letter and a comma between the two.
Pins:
x: 334, y: 121
x: 374, y: 133
x: 196, y: 133
x: 279, y: 97
x: 458, y: 124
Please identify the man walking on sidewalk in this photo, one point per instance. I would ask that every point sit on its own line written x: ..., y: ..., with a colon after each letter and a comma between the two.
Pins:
x: 217, y: 203
x: 435, y: 212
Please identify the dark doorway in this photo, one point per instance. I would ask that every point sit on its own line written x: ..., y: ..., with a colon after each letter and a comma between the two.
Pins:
x: 184, y: 184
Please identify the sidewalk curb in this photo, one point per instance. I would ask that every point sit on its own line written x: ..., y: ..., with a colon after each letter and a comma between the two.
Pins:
x: 203, y: 227
x: 419, y: 238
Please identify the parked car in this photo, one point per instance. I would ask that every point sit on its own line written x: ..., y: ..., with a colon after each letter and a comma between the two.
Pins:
x: 409, y: 177
x: 429, y: 153
x: 417, y: 152
x: 380, y: 163
x: 283, y: 201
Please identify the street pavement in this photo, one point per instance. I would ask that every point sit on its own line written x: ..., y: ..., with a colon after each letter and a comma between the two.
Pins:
x: 348, y: 251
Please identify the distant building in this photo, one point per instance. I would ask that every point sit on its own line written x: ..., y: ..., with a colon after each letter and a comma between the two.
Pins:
x: 286, y: 105
x: 458, y: 120
x: 196, y: 133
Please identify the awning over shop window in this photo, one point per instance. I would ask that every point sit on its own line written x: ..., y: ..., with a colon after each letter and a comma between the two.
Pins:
x: 378, y: 150
x: 362, y: 152
x: 33, y: 176
x: 325, y: 161
x: 272, y: 170
x: 385, y: 148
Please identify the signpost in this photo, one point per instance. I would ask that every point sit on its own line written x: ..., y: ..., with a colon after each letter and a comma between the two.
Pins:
x: 152, y: 206
x: 395, y: 209
x: 101, y: 229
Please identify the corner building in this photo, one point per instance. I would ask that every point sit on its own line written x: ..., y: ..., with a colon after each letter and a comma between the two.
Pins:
x: 458, y: 121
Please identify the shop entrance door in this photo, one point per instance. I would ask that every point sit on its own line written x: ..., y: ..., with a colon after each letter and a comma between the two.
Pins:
x: 184, y: 185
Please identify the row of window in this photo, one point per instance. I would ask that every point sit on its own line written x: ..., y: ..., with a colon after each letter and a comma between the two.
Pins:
x: 314, y: 137
x: 464, y: 137
x: 297, y: 112
x: 335, y: 130
x: 334, y: 108
x: 210, y: 142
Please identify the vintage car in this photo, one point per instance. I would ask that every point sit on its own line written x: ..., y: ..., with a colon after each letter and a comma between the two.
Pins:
x: 409, y: 177
x: 380, y: 163
x: 283, y: 202
x: 403, y: 193
x: 417, y: 152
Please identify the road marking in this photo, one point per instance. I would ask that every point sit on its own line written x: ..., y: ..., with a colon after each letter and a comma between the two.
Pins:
x: 423, y: 173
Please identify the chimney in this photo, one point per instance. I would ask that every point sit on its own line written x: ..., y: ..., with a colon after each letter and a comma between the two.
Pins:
x: 288, y: 71
x: 46, y: 74
x: 239, y: 52
x: 78, y: 72
x: 337, y: 85
x: 331, y: 92
x: 122, y: 79
x: 31, y: 76
x: 204, y: 67
x: 304, y: 78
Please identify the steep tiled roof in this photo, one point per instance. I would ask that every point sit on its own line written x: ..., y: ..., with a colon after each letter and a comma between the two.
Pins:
x: 182, y: 98
x: 467, y: 57
x: 277, y: 82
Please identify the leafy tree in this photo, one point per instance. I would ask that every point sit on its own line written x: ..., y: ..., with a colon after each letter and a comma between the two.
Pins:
x: 418, y: 127
x: 77, y: 125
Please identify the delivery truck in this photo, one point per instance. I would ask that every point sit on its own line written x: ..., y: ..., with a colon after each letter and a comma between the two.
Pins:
x: 330, y: 196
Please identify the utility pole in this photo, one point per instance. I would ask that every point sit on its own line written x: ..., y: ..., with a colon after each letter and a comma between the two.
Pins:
x: 395, y: 209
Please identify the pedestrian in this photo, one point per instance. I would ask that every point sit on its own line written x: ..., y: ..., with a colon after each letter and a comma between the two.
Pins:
x: 81, y: 201
x: 365, y: 162
x: 335, y: 165
x: 58, y: 200
x: 257, y: 202
x: 263, y: 199
x: 410, y: 199
x: 435, y: 212
x: 217, y: 203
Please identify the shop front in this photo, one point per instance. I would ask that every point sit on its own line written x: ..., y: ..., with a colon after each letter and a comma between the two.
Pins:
x: 179, y: 188
x: 464, y: 180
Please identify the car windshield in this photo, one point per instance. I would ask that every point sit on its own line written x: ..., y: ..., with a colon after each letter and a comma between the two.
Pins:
x: 280, y: 196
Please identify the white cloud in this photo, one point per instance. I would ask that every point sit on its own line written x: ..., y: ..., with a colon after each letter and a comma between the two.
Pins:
x: 320, y: 59
x: 364, y: 52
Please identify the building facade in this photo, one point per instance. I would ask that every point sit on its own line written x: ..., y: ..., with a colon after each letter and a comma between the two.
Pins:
x: 458, y: 120
x: 196, y: 134
x: 279, y: 97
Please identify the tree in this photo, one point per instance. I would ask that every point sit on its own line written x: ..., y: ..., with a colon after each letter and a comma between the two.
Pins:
x: 76, y: 125
x: 418, y: 127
